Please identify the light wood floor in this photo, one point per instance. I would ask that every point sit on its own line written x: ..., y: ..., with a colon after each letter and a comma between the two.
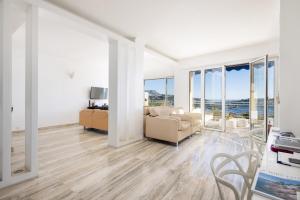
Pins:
x: 78, y: 164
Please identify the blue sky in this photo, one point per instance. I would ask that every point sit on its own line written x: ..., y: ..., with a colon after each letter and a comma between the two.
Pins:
x: 160, y: 85
x: 213, y: 84
x: 237, y: 84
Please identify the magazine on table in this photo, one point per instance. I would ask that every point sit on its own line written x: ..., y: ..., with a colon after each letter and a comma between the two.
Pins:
x: 276, y: 187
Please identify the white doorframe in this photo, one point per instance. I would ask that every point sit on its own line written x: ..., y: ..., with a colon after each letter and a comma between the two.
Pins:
x: 31, y: 86
x: 6, y: 90
x: 223, y: 98
x: 202, y: 97
x: 276, y: 92
x: 265, y: 86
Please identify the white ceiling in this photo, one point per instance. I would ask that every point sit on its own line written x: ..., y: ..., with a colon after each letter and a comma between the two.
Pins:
x: 184, y: 28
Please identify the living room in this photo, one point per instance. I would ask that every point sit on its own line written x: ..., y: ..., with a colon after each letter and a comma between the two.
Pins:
x: 103, y: 101
x: 72, y: 61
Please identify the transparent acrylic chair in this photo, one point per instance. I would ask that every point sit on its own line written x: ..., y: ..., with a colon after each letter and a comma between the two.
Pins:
x: 253, y: 142
x: 224, y: 165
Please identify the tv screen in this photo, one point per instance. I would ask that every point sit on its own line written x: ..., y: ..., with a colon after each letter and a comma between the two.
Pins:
x: 98, y: 93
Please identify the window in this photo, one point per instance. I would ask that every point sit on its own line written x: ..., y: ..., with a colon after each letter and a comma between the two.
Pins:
x: 159, y: 92
x: 213, y: 98
x: 170, y: 92
x: 212, y: 88
x: 195, y: 91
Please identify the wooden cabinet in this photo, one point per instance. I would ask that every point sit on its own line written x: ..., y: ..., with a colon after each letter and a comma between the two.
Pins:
x: 94, y: 118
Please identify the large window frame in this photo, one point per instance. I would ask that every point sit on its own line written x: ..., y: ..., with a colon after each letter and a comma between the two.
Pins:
x: 166, y: 89
x: 223, y: 66
x: 205, y: 115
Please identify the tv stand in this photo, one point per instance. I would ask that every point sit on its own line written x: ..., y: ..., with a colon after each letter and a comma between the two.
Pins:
x: 94, y: 118
x: 98, y: 107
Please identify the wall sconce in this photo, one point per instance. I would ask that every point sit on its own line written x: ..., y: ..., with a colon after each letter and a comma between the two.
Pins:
x: 71, y: 74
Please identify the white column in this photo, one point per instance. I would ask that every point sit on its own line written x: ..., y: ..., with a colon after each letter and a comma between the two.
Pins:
x: 5, y: 89
x: 113, y: 94
x: 289, y: 66
x: 31, y: 89
x: 125, y: 92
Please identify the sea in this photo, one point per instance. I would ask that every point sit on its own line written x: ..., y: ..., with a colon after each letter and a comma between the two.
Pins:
x: 236, y: 108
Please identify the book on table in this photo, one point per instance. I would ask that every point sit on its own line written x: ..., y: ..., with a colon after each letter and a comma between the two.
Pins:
x: 276, y: 187
x: 290, y: 159
x: 288, y: 143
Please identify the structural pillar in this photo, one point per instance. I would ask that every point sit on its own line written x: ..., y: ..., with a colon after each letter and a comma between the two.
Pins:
x: 126, y: 92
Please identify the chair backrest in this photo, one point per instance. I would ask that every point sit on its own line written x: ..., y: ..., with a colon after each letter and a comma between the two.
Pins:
x: 256, y: 143
x: 218, y: 166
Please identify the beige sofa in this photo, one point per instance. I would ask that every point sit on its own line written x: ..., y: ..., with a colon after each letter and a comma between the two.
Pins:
x: 170, y: 124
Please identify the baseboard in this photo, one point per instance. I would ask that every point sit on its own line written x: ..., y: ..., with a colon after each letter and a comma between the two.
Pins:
x: 57, y: 126
x: 50, y: 127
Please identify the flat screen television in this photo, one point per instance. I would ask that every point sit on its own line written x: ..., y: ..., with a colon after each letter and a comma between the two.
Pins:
x: 98, y: 93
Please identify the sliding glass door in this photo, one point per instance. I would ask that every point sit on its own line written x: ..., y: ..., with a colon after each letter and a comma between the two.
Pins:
x: 213, y: 98
x: 258, y: 97
x: 237, y: 97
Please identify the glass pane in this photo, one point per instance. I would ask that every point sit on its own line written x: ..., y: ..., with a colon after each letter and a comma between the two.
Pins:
x: 237, y: 98
x: 213, y: 98
x: 258, y: 98
x: 170, y: 91
x: 271, y: 89
x: 155, y: 90
x: 195, y: 91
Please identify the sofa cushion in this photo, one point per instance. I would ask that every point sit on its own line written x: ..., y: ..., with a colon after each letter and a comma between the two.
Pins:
x: 183, y: 117
x: 196, y: 118
x: 164, y: 111
x: 146, y: 110
x: 183, y: 125
x: 178, y: 110
x: 153, y: 111
x: 175, y: 117
x: 160, y: 111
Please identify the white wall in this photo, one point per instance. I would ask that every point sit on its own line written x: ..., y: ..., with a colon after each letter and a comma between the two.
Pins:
x: 64, y: 48
x: 234, y: 56
x: 290, y: 62
x: 62, y: 51
x: 157, y: 67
